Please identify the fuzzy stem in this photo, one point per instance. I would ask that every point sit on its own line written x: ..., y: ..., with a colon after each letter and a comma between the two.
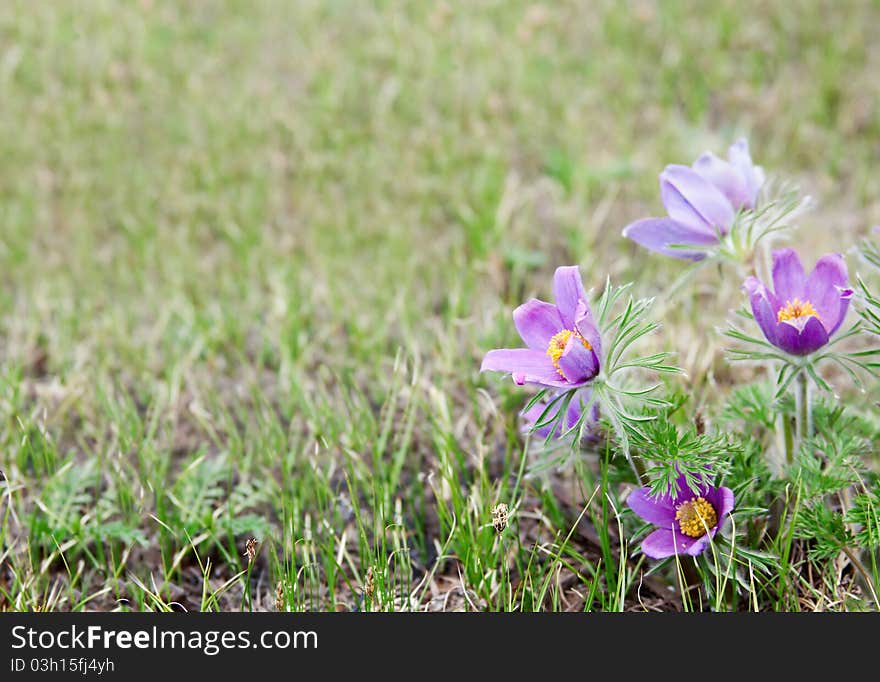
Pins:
x: 803, y: 408
x: 639, y: 469
x: 788, y: 439
x: 778, y: 507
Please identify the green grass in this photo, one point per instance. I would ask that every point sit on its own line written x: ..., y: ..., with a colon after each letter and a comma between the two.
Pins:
x: 251, y: 255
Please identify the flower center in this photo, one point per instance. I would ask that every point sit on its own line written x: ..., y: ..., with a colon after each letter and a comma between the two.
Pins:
x: 558, y: 343
x: 695, y: 517
x: 796, y: 310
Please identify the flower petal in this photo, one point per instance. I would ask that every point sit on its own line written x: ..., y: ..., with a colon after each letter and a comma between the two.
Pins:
x: 692, y: 546
x: 577, y: 362
x: 726, y: 178
x: 762, y: 308
x: 537, y: 322
x: 827, y: 290
x: 660, y: 544
x: 586, y: 327
x: 845, y: 296
x: 685, y: 492
x: 789, y: 280
x: 722, y: 500
x: 531, y: 416
x: 568, y: 290
x: 577, y: 406
x: 801, y: 341
x: 573, y: 415
x: 754, y: 286
x: 526, y: 366
x: 662, y: 234
x: 692, y: 200
x: 658, y: 510
x: 665, y: 542
x: 753, y: 176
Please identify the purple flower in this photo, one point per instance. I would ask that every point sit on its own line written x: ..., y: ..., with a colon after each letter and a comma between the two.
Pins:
x: 573, y: 413
x: 738, y: 179
x: 686, y: 521
x: 701, y: 202
x: 801, y: 313
x: 564, y: 348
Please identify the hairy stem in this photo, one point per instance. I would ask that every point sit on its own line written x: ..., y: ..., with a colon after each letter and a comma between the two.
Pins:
x: 788, y: 438
x: 639, y: 468
x: 804, y: 413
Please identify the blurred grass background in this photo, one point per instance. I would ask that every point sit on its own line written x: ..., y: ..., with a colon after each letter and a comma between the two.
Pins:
x: 251, y: 253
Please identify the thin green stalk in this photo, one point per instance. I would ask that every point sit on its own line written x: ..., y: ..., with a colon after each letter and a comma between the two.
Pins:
x: 519, y: 476
x: 247, y: 589
x: 788, y: 438
x: 804, y: 412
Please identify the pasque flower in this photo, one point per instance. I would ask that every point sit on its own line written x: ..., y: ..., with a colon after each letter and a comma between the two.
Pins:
x: 686, y: 520
x: 801, y: 313
x: 579, y: 402
x: 564, y: 349
x: 701, y: 201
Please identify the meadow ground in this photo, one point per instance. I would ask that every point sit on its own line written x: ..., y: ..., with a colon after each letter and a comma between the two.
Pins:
x: 252, y: 254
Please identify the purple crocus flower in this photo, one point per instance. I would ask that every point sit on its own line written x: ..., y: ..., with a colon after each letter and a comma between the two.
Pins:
x: 564, y: 348
x: 686, y: 521
x: 801, y: 313
x: 573, y: 413
x: 701, y: 202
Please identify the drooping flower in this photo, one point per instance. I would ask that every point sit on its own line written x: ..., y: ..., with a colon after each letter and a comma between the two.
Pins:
x: 686, y: 520
x: 801, y: 313
x: 576, y: 407
x: 701, y: 202
x: 564, y: 348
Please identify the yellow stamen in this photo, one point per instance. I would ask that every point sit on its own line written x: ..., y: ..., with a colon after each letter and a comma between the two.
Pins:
x: 695, y: 517
x: 796, y: 310
x: 558, y: 343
